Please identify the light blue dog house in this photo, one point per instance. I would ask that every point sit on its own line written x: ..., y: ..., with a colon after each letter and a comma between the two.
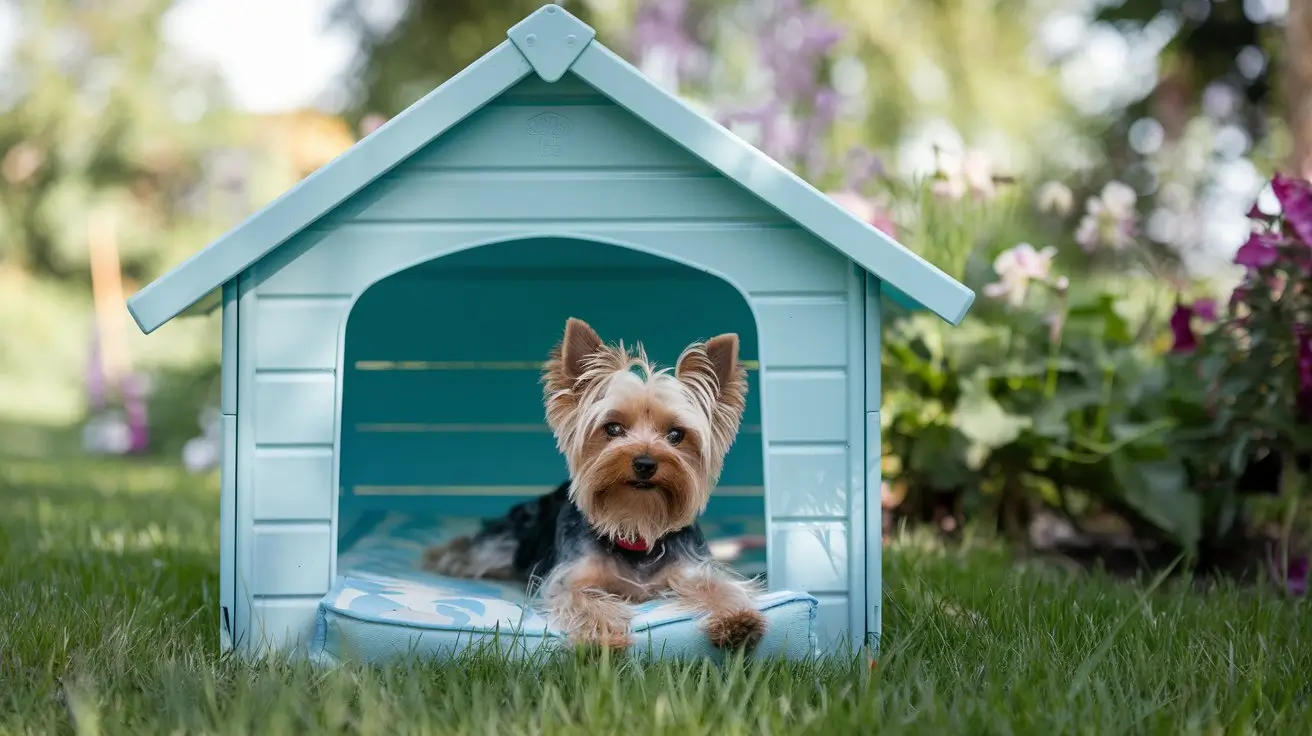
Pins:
x: 385, y: 321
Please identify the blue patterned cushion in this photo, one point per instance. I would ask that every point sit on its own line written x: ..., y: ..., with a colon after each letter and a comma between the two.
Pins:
x: 382, y: 605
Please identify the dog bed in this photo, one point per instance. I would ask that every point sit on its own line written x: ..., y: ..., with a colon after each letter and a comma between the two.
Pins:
x: 383, y: 605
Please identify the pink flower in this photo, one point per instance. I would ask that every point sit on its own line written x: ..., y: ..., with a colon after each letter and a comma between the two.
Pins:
x: 1205, y: 309
x: 1295, y: 197
x: 371, y: 122
x: 1181, y: 329
x: 1016, y: 268
x: 1109, y: 219
x: 1259, y: 252
x: 866, y: 209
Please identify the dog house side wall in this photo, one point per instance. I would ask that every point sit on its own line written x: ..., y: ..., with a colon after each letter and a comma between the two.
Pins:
x: 554, y: 160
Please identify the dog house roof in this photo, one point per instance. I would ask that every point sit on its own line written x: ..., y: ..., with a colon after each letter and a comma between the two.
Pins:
x: 549, y: 42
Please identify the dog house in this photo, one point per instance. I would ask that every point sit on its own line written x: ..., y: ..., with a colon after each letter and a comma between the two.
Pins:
x: 385, y: 322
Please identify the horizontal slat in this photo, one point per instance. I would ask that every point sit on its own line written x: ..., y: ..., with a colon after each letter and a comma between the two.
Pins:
x: 809, y: 556
x: 803, y: 332
x: 283, y: 623
x: 351, y: 257
x: 293, y: 484
x: 805, y: 406
x: 742, y: 508
x: 292, y: 559
x: 298, y: 333
x: 809, y: 480
x: 474, y: 459
x: 458, y: 397
x: 294, y: 408
x: 600, y: 135
x: 554, y: 196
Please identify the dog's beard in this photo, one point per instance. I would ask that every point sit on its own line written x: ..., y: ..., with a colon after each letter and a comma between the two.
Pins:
x: 618, y: 507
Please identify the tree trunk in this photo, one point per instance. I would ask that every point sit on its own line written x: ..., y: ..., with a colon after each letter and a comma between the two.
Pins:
x: 1298, y: 84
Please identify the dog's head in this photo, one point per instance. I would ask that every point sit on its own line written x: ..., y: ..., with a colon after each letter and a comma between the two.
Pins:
x: 644, y: 446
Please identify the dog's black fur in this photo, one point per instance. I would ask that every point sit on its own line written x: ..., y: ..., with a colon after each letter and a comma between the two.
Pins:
x: 551, y: 529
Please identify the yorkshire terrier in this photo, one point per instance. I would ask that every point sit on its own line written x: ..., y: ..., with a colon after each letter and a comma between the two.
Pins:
x: 644, y: 449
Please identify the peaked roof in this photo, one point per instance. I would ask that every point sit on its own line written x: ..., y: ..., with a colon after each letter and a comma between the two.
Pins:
x: 549, y: 42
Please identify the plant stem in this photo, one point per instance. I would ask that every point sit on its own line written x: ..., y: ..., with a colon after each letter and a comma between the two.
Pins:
x: 1054, y: 347
x: 1291, y: 487
x: 1104, y: 406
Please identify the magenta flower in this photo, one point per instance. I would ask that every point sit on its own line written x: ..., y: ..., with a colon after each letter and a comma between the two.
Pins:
x: 1295, y: 197
x: 1205, y: 309
x: 1296, y: 579
x: 1259, y: 252
x: 1182, y: 330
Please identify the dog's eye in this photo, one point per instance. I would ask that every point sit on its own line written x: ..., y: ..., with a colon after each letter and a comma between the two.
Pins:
x: 614, y: 429
x: 674, y: 436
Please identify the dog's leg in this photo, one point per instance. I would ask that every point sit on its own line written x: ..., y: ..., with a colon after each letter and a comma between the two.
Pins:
x: 482, y: 556
x: 578, y: 599
x: 732, y: 620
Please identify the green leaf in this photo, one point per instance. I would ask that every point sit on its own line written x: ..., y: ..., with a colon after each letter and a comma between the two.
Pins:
x: 1100, y: 317
x: 938, y: 456
x: 982, y: 420
x: 1158, y: 491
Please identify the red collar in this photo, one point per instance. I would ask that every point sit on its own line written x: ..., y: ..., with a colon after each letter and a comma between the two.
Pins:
x: 640, y: 545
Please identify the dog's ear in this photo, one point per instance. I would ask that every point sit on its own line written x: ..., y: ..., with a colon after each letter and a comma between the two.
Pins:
x: 723, y: 352
x: 714, y: 366
x: 713, y: 374
x: 579, y: 342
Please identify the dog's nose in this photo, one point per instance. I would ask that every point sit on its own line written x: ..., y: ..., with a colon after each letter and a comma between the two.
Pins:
x: 644, y: 467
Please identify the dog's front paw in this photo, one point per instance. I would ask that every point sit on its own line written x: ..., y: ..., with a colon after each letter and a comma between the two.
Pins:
x: 602, y: 638
x: 735, y: 629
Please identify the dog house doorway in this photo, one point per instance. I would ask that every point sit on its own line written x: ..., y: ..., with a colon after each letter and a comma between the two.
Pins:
x: 442, y: 422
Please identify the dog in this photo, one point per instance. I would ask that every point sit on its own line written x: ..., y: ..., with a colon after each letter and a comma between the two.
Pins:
x: 644, y: 448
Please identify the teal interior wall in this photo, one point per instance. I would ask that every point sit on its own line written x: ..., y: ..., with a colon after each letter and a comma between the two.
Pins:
x: 441, y: 401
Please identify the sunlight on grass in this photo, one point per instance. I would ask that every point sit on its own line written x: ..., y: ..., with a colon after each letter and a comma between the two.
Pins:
x: 108, y: 587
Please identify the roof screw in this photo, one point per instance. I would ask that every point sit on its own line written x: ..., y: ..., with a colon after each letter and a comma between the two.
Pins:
x: 570, y: 40
x: 531, y: 39
x: 551, y: 9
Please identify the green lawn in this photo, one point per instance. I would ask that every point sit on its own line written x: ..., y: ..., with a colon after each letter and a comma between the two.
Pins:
x: 108, y: 625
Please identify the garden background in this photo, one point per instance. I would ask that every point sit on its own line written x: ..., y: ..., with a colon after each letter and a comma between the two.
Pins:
x: 1122, y: 183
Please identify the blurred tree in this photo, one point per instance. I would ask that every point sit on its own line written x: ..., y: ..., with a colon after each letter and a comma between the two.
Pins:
x: 1298, y: 86
x: 408, y: 47
x: 97, y: 116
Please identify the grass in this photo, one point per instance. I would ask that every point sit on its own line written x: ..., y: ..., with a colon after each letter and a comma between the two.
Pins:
x: 108, y: 625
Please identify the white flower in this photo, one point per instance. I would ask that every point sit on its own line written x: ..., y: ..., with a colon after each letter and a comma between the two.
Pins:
x: 1016, y: 268
x: 1109, y: 219
x: 977, y: 170
x: 1055, y: 197
x: 971, y: 172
